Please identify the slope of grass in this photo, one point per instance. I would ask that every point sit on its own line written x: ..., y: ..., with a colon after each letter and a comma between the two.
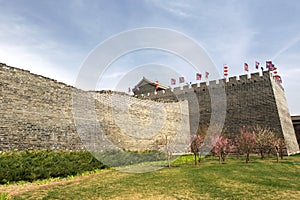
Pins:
x: 232, y: 180
x: 43, y: 164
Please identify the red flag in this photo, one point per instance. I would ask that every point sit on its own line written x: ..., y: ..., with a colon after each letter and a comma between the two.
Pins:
x: 278, y: 78
x: 206, y: 74
x: 173, y: 81
x: 269, y: 65
x: 225, y: 70
x: 156, y: 85
x: 272, y: 68
x: 256, y: 64
x: 198, y: 76
x: 181, y: 79
x: 246, y: 67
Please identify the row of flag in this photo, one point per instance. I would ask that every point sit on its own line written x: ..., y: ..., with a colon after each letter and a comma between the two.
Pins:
x: 269, y: 66
x: 182, y: 80
x: 246, y: 68
x: 173, y: 81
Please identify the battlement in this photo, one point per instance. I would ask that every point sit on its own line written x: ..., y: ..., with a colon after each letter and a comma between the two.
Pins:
x: 224, y: 82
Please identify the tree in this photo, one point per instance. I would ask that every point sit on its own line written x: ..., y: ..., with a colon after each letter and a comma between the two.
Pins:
x: 245, y: 143
x: 222, y: 147
x: 264, y: 140
x: 197, y: 141
x: 279, y: 144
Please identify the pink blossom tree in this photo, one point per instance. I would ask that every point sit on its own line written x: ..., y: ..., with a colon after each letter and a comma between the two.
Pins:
x: 197, y: 142
x: 222, y: 146
x: 245, y: 143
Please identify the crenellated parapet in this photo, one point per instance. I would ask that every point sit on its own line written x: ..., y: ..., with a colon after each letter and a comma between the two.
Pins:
x: 226, y: 82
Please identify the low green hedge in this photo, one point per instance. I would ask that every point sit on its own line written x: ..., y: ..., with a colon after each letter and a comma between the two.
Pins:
x: 119, y: 158
x: 43, y: 164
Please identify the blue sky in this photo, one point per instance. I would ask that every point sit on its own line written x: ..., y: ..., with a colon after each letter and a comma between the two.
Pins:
x: 53, y: 38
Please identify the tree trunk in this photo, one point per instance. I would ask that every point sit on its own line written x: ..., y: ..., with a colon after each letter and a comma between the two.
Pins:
x: 223, y: 156
x: 269, y: 152
x: 262, y: 154
x: 247, y: 157
x: 277, y: 150
x: 281, y: 153
x: 195, y: 155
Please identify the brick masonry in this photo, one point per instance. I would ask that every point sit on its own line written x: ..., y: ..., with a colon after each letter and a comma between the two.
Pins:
x: 251, y: 100
x: 37, y: 113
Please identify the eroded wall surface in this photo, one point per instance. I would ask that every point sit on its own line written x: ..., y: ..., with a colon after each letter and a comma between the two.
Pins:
x: 38, y: 113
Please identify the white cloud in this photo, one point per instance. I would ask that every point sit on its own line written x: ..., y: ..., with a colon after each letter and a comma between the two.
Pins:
x: 28, y: 46
x: 52, y: 38
x: 176, y: 8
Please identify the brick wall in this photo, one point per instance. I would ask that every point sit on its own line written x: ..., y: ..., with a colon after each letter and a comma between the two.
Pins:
x: 249, y: 100
x: 37, y: 113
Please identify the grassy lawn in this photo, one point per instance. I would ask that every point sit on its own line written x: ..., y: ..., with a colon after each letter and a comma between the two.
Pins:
x: 231, y: 180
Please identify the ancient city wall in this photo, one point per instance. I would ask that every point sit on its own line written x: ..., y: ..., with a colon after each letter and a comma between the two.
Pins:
x: 251, y: 100
x: 37, y: 113
x: 285, y: 119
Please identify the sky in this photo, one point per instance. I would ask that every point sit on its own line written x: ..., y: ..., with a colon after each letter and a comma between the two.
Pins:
x: 54, y: 38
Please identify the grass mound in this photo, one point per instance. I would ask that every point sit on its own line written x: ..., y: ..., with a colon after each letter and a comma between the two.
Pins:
x: 43, y: 164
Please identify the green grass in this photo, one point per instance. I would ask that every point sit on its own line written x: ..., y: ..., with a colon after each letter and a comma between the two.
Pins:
x: 3, y: 196
x: 231, y: 180
x: 44, y: 164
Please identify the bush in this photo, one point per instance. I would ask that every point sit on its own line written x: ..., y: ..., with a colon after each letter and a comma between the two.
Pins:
x: 119, y: 158
x: 42, y: 164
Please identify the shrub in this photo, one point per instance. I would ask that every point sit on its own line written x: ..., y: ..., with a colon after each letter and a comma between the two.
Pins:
x: 119, y: 158
x: 42, y: 164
